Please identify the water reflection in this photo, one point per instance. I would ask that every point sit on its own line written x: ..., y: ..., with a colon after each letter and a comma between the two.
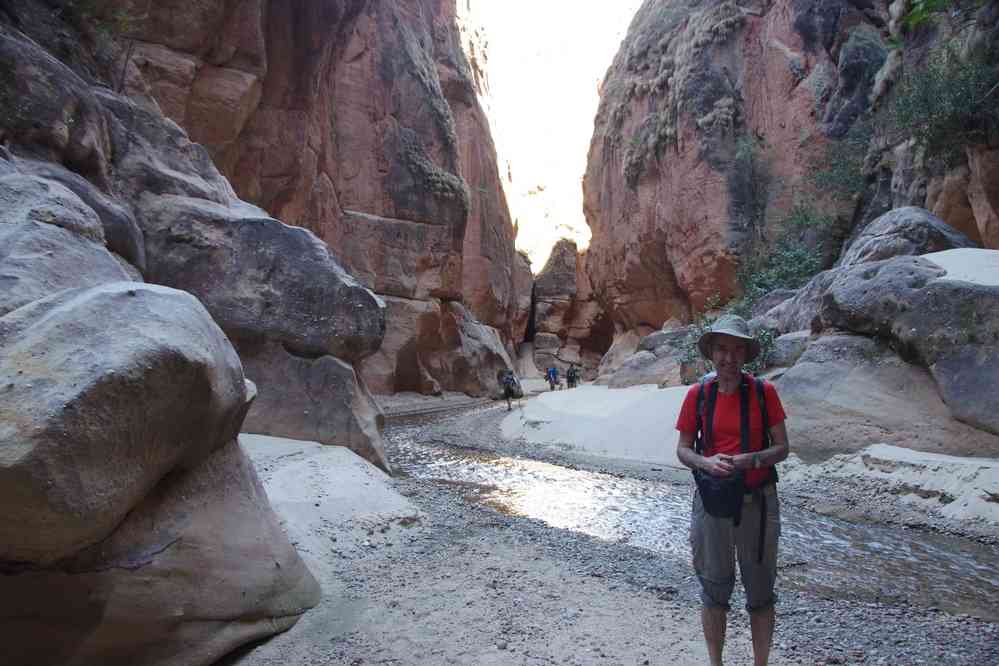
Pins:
x: 826, y: 556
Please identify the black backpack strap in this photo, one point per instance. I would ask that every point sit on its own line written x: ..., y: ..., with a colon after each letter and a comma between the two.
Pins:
x: 705, y: 415
x: 744, y: 416
x: 761, y: 398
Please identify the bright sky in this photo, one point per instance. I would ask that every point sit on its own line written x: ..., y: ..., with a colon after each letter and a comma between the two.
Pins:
x: 545, y: 61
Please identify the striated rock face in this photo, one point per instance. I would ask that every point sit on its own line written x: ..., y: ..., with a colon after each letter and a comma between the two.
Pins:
x: 361, y: 122
x: 570, y: 324
x: 710, y: 119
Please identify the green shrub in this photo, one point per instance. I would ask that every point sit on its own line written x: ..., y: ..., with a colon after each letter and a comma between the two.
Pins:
x: 947, y: 104
x: 789, y: 265
x: 840, y: 170
x: 922, y: 11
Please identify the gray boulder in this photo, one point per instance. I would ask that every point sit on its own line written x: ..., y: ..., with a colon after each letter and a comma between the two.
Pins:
x: 867, y: 298
x: 49, y: 240
x: 903, y: 231
x: 788, y: 348
x: 318, y: 399
x: 847, y: 392
x: 947, y: 326
x: 121, y: 233
x: 259, y: 278
x: 105, y: 390
x: 952, y: 328
x: 198, y: 567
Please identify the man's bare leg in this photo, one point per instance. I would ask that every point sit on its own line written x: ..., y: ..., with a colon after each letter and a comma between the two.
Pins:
x: 714, y: 620
x: 762, y: 625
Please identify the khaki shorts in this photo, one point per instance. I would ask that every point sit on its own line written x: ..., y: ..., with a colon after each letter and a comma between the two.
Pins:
x: 716, y: 544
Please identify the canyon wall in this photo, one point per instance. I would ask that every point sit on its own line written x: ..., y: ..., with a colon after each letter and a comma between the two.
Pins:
x: 711, y: 117
x: 360, y: 121
x: 721, y: 123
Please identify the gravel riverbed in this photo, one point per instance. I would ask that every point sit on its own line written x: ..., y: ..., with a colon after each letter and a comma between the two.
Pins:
x: 464, y: 581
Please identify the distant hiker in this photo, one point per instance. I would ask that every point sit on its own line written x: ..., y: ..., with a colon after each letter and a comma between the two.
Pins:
x: 735, y: 511
x: 571, y: 376
x: 509, y: 388
x: 552, y: 377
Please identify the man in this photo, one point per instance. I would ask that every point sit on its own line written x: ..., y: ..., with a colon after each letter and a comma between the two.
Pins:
x: 716, y: 541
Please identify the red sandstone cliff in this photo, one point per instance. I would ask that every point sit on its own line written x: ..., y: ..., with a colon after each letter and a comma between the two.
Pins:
x: 714, y: 120
x: 571, y: 327
x: 360, y: 121
x: 710, y: 118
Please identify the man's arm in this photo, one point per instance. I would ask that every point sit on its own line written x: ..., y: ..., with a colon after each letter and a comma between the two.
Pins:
x: 777, y: 451
x: 717, y: 465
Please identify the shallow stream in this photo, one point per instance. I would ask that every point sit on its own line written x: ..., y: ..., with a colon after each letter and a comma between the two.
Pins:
x: 822, y: 555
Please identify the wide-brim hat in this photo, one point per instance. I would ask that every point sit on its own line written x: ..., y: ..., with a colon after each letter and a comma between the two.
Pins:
x: 734, y: 326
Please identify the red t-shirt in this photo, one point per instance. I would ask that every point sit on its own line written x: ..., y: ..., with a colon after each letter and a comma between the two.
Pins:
x: 725, y: 427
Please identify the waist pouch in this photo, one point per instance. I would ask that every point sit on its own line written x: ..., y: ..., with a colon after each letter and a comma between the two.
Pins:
x: 722, y: 497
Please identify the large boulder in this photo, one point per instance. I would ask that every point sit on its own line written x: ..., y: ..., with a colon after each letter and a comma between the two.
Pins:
x: 657, y: 361
x: 847, y: 392
x: 430, y: 347
x: 125, y: 490
x: 318, y: 399
x: 156, y: 395
x: 260, y: 278
x: 946, y: 325
x: 471, y: 354
x: 49, y: 240
x: 292, y: 312
x: 903, y: 231
x: 199, y: 567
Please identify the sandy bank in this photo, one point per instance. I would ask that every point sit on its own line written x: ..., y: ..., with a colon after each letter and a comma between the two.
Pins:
x: 634, y: 424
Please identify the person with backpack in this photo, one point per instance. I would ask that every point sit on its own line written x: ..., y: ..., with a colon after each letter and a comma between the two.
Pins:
x: 571, y: 377
x: 732, y: 433
x: 509, y: 387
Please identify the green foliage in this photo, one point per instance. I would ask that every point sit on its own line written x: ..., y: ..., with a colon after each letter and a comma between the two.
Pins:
x: 840, y: 170
x: 789, y: 265
x: 921, y: 12
x: 107, y: 18
x: 802, y: 218
x: 947, y: 104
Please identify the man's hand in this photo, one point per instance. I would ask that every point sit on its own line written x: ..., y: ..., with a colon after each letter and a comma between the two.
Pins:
x: 719, y: 465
